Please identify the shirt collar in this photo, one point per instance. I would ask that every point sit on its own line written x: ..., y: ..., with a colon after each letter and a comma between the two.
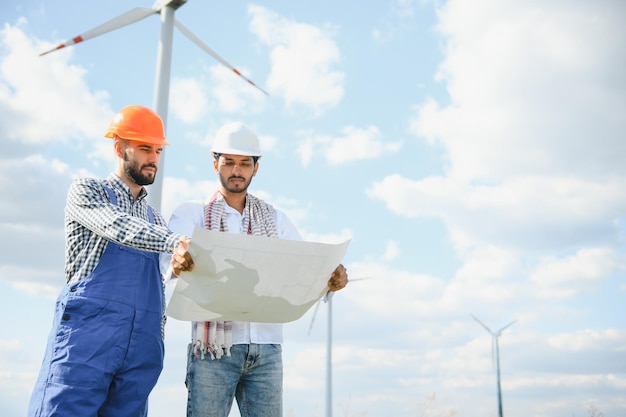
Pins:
x: 117, y: 182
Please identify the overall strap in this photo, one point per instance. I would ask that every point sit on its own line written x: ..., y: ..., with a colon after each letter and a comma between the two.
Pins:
x: 113, y: 199
x: 111, y: 194
x: 150, y: 214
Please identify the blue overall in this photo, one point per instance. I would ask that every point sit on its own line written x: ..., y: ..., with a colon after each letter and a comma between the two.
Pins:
x: 105, y: 350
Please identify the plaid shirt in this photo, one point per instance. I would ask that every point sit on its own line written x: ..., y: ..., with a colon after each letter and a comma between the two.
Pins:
x: 91, y: 221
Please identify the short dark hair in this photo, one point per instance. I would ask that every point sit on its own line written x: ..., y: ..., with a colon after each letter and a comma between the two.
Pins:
x: 217, y: 156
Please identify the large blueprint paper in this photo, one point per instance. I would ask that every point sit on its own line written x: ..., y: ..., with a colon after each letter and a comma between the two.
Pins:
x: 252, y: 278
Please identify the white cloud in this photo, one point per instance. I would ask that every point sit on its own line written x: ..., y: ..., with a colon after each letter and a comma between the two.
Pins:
x: 527, y: 212
x: 268, y: 143
x: 353, y: 144
x: 188, y: 101
x: 583, y: 271
x: 306, y: 150
x: 193, y: 98
x: 419, y: 296
x: 20, y: 180
x: 303, y: 59
x: 31, y: 213
x: 484, y: 278
x: 35, y: 281
x: 101, y: 155
x: 306, y: 362
x: 531, y: 93
x: 590, y: 339
x: 47, y: 88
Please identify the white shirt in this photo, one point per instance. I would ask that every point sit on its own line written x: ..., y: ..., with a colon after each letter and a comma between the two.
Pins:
x: 190, y: 215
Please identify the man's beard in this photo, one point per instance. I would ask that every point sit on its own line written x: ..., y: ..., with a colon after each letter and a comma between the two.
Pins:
x: 134, y: 173
x: 234, y: 190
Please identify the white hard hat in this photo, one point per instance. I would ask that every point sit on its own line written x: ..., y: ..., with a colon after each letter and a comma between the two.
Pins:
x: 237, y: 139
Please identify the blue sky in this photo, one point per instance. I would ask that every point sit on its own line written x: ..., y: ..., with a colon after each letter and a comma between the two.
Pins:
x: 473, y: 151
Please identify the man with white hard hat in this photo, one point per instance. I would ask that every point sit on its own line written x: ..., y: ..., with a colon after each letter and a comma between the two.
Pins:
x: 241, y: 360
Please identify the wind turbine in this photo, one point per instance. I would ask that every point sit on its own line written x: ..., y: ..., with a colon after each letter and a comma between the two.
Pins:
x: 329, y: 348
x: 329, y: 354
x: 494, y: 342
x: 167, y: 9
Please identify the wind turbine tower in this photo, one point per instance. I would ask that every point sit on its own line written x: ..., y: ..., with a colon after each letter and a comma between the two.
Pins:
x: 329, y: 355
x: 329, y: 350
x: 495, y: 349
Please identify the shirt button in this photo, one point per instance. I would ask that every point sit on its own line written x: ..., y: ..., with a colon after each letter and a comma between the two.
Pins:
x: 66, y: 317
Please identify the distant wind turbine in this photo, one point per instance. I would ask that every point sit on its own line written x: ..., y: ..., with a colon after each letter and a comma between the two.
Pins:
x: 329, y: 354
x: 494, y: 343
x: 167, y: 9
x: 329, y: 349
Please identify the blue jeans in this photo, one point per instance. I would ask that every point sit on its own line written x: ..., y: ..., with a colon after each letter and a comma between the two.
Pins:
x: 253, y: 374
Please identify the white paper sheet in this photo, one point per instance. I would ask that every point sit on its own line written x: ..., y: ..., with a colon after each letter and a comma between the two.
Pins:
x: 252, y: 278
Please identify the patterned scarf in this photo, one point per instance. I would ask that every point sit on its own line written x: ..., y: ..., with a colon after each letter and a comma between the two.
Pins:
x: 216, y: 337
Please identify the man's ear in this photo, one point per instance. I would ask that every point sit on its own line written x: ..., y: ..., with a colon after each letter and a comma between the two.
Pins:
x: 118, y: 146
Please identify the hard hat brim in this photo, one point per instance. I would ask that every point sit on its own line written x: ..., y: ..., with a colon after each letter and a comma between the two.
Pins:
x: 152, y: 141
x: 235, y: 152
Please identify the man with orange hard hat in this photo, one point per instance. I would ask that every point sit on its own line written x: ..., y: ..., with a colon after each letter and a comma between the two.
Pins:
x: 105, y: 351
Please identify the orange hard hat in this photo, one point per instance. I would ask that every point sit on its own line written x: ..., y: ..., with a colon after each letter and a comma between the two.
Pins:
x: 137, y: 123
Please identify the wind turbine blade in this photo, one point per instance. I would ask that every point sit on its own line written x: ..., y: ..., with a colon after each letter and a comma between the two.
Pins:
x: 359, y: 279
x: 482, y: 324
x: 317, y: 306
x: 193, y: 38
x: 493, y: 352
x: 508, y: 325
x: 122, y: 20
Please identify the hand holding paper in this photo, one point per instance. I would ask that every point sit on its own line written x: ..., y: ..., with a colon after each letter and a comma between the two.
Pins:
x: 181, y: 258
